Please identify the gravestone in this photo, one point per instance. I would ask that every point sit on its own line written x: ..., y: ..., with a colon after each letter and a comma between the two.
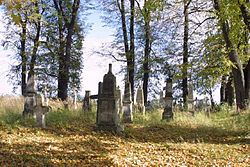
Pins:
x: 40, y: 111
x: 86, y: 101
x: 107, y: 104
x: 168, y: 109
x: 207, y: 107
x: 198, y: 104
x: 190, y: 99
x: 140, y: 100
x: 127, y: 104
x: 30, y: 97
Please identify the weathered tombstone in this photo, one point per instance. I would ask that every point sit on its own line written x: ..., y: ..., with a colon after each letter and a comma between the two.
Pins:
x: 127, y: 104
x: 107, y: 105
x: 140, y: 100
x: 190, y: 99
x: 168, y: 109
x: 40, y: 111
x: 86, y: 101
x: 207, y: 106
x: 29, y: 97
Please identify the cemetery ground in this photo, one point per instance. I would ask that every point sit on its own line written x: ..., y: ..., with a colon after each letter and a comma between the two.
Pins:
x: 222, y: 139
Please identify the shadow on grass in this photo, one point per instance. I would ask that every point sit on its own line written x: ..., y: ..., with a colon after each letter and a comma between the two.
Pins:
x: 80, y: 153
x: 179, y: 134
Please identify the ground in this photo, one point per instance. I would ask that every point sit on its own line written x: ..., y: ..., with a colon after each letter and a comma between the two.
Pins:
x: 222, y: 139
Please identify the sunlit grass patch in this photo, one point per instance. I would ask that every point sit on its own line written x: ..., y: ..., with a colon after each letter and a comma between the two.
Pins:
x: 67, y: 117
x: 220, y: 139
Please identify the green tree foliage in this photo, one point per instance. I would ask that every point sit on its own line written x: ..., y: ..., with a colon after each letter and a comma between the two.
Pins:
x: 36, y: 40
x: 232, y: 27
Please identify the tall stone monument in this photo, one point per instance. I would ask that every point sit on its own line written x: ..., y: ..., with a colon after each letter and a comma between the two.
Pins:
x: 107, y: 104
x: 168, y: 109
x: 30, y: 97
x: 127, y: 104
x: 86, y: 101
x: 140, y: 100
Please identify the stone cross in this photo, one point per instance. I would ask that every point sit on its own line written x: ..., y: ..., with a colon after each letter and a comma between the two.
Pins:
x: 86, y: 101
x: 107, y: 105
x: 127, y: 104
x: 140, y: 100
x: 40, y: 111
x: 168, y: 109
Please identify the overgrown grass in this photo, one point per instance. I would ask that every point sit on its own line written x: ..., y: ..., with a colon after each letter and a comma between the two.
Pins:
x: 67, y: 117
x: 219, y: 139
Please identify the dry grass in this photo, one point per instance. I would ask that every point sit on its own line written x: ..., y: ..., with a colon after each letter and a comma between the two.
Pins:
x: 70, y: 140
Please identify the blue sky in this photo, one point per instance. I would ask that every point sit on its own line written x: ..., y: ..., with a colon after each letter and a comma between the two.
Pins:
x: 94, y: 66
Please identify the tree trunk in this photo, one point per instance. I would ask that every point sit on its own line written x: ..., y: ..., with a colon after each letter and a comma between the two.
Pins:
x: 246, y: 18
x: 65, y: 46
x: 247, y: 81
x: 132, y: 47
x: 223, y: 90
x: 129, y: 52
x: 62, y: 82
x: 210, y: 92
x: 245, y: 14
x: 147, y: 50
x: 36, y: 43
x: 185, y: 53
x: 62, y: 71
x: 68, y: 46
x: 238, y: 74
x: 229, y: 91
x: 23, y: 56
